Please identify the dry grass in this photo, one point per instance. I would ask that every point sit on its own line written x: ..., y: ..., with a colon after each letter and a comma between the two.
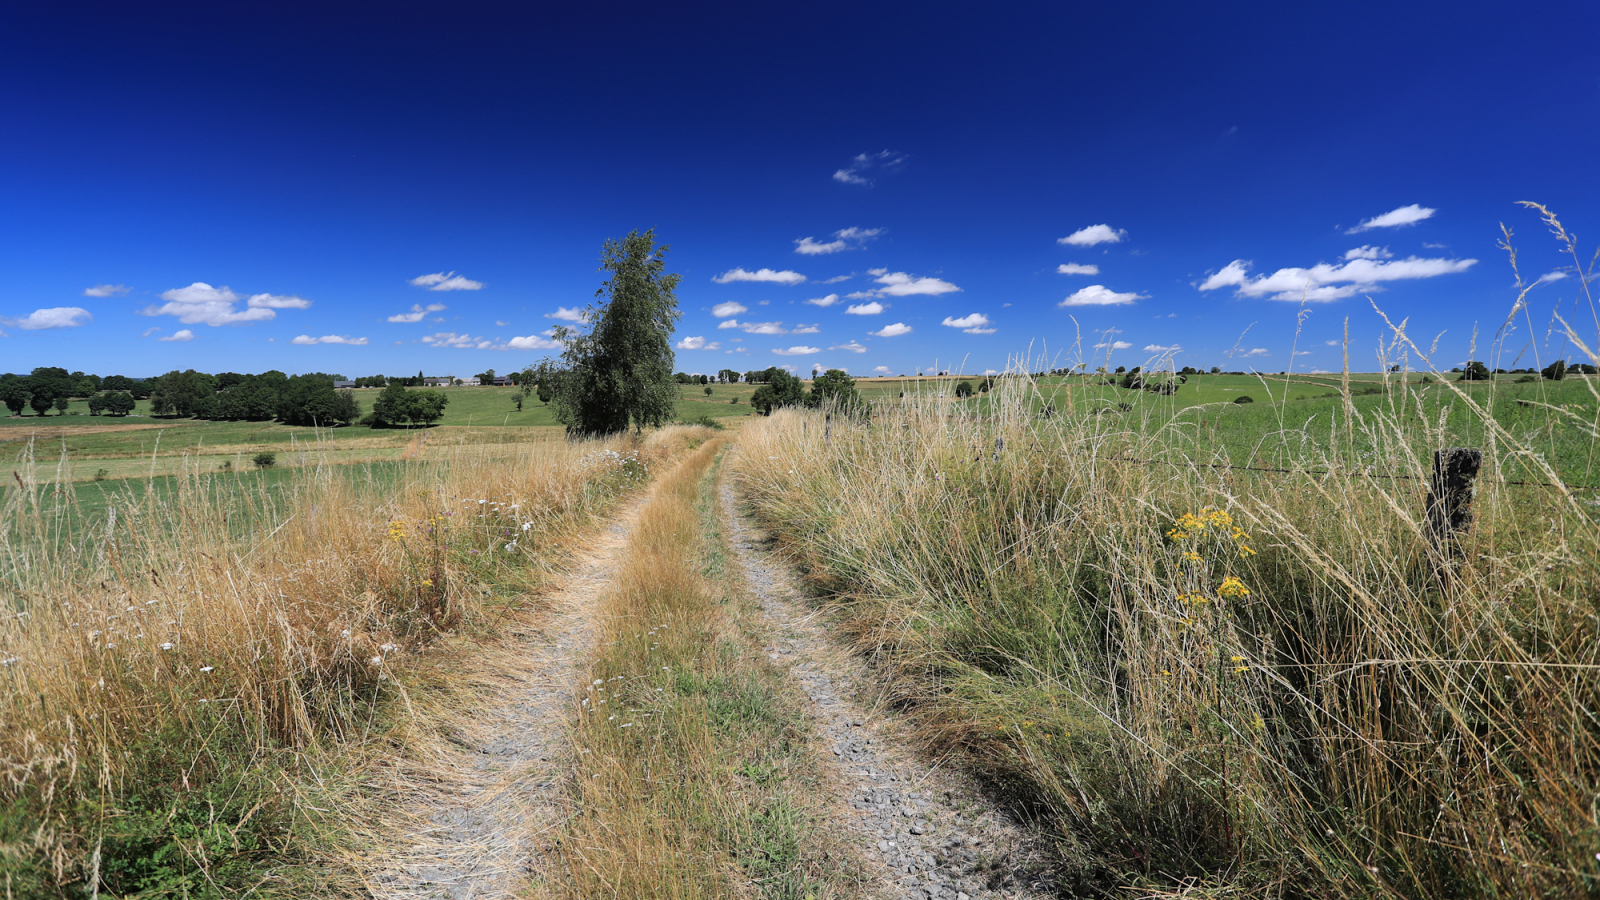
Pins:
x: 1358, y: 714
x: 175, y: 681
x: 691, y: 758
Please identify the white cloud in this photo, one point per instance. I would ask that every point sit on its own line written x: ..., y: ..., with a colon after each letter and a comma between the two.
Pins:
x: 971, y: 321
x: 1367, y: 251
x: 566, y: 315
x: 1114, y: 345
x: 149, y: 331
x: 274, y: 301
x: 1162, y: 348
x: 1324, y: 282
x: 810, y: 247
x: 182, y: 334
x: 1556, y: 275
x: 1395, y: 218
x: 532, y: 342
x: 805, y: 329
x: 106, y: 290
x: 459, y: 341
x: 894, y: 330
x: 1075, y: 269
x: 1258, y: 351
x: 697, y: 343
x: 899, y: 284
x: 1100, y: 295
x: 500, y: 324
x: 853, y: 347
x: 307, y: 340
x: 1331, y: 343
x: 882, y: 370
x: 865, y: 309
x: 837, y: 278
x: 764, y: 328
x: 797, y: 351
x: 417, y: 312
x: 829, y: 300
x: 724, y: 310
x: 730, y: 323
x: 865, y: 162
x: 202, y: 304
x: 55, y: 317
x: 1092, y: 235
x: 446, y: 281
x: 783, y: 277
x: 843, y: 239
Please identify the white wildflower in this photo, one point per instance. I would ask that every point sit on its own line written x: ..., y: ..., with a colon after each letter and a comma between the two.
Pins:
x: 167, y: 645
x: 377, y: 660
x: 207, y: 668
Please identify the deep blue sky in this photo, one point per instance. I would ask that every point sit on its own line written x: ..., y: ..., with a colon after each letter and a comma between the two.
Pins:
x: 320, y: 157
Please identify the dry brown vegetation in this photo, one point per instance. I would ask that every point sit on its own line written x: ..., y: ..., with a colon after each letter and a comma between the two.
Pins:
x: 182, y: 671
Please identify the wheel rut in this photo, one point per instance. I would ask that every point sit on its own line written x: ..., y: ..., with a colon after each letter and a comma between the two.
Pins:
x: 494, y: 790
x: 926, y: 830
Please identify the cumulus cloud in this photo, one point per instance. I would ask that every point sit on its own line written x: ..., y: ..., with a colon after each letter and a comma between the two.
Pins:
x: 730, y: 323
x: 797, y: 351
x: 532, y: 342
x: 724, y: 310
x: 1395, y: 218
x: 1092, y: 235
x: 55, y: 317
x: 417, y: 312
x: 459, y: 341
x: 763, y: 328
x: 182, y: 334
x: 881, y: 370
x: 1556, y: 275
x: 697, y: 343
x: 1114, y: 345
x: 1367, y: 251
x: 1257, y: 351
x: 106, y: 290
x: 1100, y: 295
x: 774, y: 276
x: 1331, y: 343
x: 1324, y: 282
x: 865, y: 309
x: 829, y: 300
x: 1162, y: 348
x: 447, y: 281
x: 856, y: 172
x: 1075, y: 269
x: 202, y: 304
x: 899, y: 284
x: 307, y: 340
x: 566, y: 315
x: 843, y: 239
x: 805, y: 329
x: 894, y: 330
x: 853, y: 347
x: 976, y: 323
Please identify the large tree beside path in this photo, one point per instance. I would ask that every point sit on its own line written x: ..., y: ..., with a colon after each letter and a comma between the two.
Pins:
x: 619, y: 370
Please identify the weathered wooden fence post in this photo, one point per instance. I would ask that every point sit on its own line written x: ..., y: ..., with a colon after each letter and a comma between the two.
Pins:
x: 1450, y: 495
x: 827, y: 428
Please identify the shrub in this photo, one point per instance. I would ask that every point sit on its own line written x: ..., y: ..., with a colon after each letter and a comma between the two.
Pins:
x: 964, y: 390
x: 1244, y: 398
x: 266, y: 459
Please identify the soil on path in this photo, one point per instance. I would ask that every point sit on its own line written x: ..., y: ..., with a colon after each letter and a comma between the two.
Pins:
x: 925, y: 829
x: 493, y: 796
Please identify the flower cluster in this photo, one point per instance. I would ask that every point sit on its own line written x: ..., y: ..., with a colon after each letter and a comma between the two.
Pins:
x: 1192, y: 527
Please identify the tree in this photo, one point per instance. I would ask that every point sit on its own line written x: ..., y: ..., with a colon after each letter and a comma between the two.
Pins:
x: 779, y: 389
x: 728, y: 376
x: 708, y: 390
x: 1475, y: 371
x: 14, y: 394
x: 963, y: 390
x: 1553, y: 372
x: 398, y: 406
x: 620, y: 370
x: 119, y: 403
x: 486, y: 376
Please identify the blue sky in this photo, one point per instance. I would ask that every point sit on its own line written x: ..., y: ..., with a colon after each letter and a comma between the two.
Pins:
x: 286, y: 186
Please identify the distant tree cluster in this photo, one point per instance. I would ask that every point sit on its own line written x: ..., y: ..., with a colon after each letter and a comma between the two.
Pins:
x: 833, y: 388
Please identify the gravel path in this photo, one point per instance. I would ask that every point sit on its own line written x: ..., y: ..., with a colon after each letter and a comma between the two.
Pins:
x: 930, y: 833
x: 497, y: 792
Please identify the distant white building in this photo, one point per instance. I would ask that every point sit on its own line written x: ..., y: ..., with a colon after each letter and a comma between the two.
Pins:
x: 439, y: 380
x: 471, y: 381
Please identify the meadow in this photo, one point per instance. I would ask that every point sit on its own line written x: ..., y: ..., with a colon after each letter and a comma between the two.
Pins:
x: 1216, y: 648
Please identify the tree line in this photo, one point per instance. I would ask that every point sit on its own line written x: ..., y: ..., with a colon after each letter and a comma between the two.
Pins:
x: 309, y: 399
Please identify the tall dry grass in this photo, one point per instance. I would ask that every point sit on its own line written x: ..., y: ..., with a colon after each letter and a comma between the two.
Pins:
x: 1218, y: 682
x: 176, y: 667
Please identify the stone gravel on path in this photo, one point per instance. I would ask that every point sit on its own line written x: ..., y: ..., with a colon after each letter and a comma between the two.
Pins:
x: 932, y: 835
